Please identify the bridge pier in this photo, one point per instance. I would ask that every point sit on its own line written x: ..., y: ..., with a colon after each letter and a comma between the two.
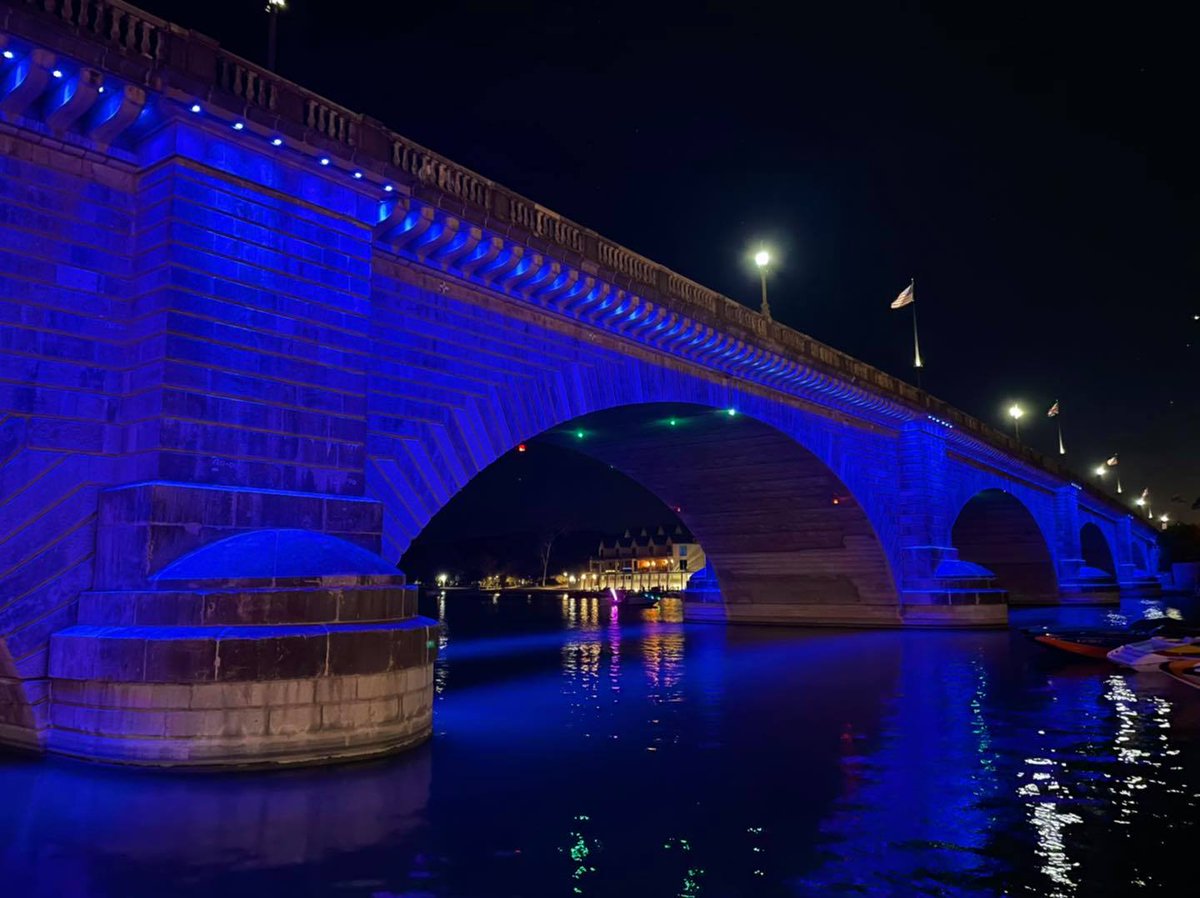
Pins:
x: 1080, y: 583
x: 1136, y: 564
x: 220, y: 633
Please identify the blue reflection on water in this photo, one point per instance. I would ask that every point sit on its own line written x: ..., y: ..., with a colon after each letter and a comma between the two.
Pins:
x: 583, y: 751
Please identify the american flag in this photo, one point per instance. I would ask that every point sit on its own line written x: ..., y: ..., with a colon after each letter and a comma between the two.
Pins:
x: 906, y: 297
x: 1053, y: 410
x: 1112, y: 462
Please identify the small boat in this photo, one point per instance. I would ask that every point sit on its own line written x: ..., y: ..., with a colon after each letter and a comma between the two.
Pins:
x: 629, y: 598
x: 1156, y: 651
x: 1187, y: 672
x: 1097, y: 642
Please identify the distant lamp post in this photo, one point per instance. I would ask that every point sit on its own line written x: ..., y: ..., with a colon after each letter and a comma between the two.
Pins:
x: 1162, y: 519
x: 274, y: 8
x: 762, y: 259
x: 1015, y: 412
x: 442, y: 578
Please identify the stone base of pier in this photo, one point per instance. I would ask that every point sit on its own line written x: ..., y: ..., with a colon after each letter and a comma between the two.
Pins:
x: 220, y: 639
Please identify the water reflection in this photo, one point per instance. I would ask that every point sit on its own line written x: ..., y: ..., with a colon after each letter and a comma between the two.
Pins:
x: 74, y: 829
x: 583, y: 749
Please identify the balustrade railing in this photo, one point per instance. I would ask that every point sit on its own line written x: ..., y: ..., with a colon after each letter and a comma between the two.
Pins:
x: 117, y: 24
x: 252, y: 84
x: 434, y: 171
x: 331, y: 121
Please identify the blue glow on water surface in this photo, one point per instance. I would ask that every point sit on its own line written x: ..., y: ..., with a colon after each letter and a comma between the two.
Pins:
x: 582, y: 751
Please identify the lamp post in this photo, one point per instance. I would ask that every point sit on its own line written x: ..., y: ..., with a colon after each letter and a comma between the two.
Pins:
x: 762, y: 259
x: 274, y: 8
x: 1015, y: 412
x: 1162, y: 519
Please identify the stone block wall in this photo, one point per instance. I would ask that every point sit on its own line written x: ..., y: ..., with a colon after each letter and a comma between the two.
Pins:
x: 66, y: 219
x: 253, y: 300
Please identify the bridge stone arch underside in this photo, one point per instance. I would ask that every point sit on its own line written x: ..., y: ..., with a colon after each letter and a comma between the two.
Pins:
x: 785, y: 535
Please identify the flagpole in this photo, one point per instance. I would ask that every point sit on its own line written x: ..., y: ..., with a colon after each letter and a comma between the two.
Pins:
x: 1058, y: 420
x: 916, y: 343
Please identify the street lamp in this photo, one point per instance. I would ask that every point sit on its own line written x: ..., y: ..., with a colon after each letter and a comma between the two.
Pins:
x: 1162, y: 519
x: 274, y: 8
x: 1015, y: 412
x: 762, y: 259
x: 442, y: 578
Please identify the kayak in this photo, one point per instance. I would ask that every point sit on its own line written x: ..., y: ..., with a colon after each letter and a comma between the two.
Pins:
x: 1088, y: 645
x: 1156, y: 651
x: 1184, y: 671
x: 1097, y: 642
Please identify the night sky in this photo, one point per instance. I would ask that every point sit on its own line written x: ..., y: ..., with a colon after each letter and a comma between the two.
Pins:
x: 1032, y: 167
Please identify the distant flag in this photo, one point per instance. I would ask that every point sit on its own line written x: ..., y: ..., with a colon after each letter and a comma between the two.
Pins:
x: 908, y: 297
x: 1053, y: 413
x: 1146, y: 493
x: 1112, y: 462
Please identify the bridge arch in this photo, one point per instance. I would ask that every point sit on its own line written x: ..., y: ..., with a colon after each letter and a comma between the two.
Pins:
x: 997, y: 530
x: 778, y: 497
x: 1095, y: 549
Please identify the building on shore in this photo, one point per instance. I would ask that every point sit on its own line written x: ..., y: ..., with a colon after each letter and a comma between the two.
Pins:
x: 658, y: 560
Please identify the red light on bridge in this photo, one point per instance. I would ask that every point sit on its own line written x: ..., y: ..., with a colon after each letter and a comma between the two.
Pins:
x: 521, y: 447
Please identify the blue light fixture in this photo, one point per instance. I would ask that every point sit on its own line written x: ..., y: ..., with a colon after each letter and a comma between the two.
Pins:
x: 731, y: 412
x: 8, y: 54
x: 57, y: 73
x: 277, y: 142
x: 324, y: 160
x: 388, y: 188
x: 101, y: 89
x: 195, y: 107
x: 238, y: 126
x: 358, y: 175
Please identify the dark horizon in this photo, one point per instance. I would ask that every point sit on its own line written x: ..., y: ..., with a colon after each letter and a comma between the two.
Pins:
x: 1030, y: 173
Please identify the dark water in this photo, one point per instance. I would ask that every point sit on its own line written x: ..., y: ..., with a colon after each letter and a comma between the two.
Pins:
x: 579, y: 754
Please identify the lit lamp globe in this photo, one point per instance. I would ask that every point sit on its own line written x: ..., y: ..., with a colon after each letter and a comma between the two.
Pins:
x: 762, y: 259
x: 1101, y: 471
x: 1015, y: 412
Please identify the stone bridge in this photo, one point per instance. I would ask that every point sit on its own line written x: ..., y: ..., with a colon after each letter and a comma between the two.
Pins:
x: 251, y: 342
